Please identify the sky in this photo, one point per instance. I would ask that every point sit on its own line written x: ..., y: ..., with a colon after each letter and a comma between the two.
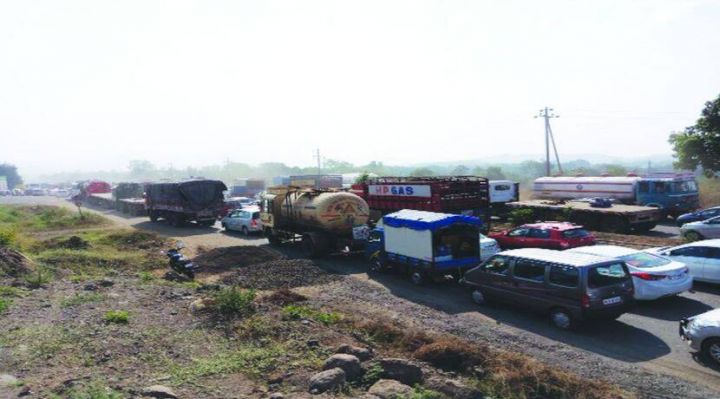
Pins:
x: 91, y: 85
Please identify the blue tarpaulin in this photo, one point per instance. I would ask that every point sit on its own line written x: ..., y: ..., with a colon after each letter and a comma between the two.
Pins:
x: 422, y: 220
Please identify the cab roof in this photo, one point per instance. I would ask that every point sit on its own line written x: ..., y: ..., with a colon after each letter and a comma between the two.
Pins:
x: 561, y: 257
x: 612, y: 251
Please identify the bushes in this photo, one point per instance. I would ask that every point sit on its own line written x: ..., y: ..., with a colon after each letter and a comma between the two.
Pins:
x: 4, y: 305
x: 304, y: 312
x: 117, y: 316
x: 232, y: 302
x: 8, y: 236
x: 521, y: 216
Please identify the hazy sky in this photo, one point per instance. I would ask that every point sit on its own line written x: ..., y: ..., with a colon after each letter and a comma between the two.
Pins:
x: 94, y: 84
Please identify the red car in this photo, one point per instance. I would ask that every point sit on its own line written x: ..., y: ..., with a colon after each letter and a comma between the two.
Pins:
x: 550, y: 235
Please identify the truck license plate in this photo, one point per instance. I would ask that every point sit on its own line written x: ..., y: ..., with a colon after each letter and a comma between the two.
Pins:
x: 612, y: 301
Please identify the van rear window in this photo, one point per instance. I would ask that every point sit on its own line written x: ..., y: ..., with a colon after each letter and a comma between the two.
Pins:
x: 606, y: 275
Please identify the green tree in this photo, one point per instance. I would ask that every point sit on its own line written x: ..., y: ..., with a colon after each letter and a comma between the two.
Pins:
x: 615, y: 170
x: 460, y: 170
x: 140, y: 168
x: 699, y: 144
x: 495, y: 173
x: 11, y: 174
x: 420, y: 172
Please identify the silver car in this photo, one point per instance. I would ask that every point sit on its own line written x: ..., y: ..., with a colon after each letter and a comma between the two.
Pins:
x: 701, y: 230
x: 702, y: 333
x: 245, y: 220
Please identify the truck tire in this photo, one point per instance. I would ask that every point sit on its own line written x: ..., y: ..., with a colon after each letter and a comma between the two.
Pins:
x: 272, y: 238
x: 314, y: 245
x: 175, y: 220
x: 153, y: 216
x: 418, y: 277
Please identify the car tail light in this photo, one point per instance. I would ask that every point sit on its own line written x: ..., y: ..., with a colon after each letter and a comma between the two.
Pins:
x: 648, y: 276
x: 585, y: 302
x: 253, y: 223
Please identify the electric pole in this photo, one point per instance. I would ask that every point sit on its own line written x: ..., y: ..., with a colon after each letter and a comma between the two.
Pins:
x: 547, y: 114
x: 319, y: 161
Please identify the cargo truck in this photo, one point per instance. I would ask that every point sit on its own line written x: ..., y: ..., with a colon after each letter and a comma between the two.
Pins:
x: 199, y: 201
x: 247, y: 187
x: 425, y: 245
x: 324, y: 220
x: 673, y: 193
x: 466, y: 195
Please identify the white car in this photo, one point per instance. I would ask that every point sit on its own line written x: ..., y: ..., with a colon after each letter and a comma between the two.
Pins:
x: 488, y: 247
x: 702, y: 333
x: 654, y: 276
x: 701, y: 257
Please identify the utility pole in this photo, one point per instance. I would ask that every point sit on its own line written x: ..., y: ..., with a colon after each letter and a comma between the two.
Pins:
x: 547, y: 114
x: 319, y: 161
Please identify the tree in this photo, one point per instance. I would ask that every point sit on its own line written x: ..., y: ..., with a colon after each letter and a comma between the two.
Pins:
x: 11, y: 174
x: 494, y: 173
x: 615, y: 170
x: 420, y: 172
x: 460, y: 170
x: 699, y: 145
x: 141, y: 168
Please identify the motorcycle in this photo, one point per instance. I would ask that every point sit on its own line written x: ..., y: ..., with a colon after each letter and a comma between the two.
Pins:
x: 179, y: 263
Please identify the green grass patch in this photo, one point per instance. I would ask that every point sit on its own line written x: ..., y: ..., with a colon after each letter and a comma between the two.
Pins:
x: 39, y: 218
x: 39, y: 277
x: 4, y: 304
x: 8, y: 291
x: 304, y: 312
x: 234, y: 302
x: 93, y: 390
x: 117, y: 316
x: 251, y: 360
x: 146, y: 277
x: 81, y: 298
x: 34, y: 343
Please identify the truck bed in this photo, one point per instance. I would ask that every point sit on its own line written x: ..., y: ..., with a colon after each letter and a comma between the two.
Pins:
x: 583, y: 206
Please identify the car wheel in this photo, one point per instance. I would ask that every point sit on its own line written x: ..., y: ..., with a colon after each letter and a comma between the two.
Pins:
x: 245, y: 231
x: 478, y: 297
x: 376, y: 265
x: 693, y: 236
x: 224, y: 226
x: 711, y: 349
x: 418, y: 278
x: 561, y: 319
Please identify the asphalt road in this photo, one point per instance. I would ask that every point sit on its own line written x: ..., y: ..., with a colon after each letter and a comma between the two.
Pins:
x: 646, y: 337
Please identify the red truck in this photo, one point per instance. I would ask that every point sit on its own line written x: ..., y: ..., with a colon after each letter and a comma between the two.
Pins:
x: 467, y: 195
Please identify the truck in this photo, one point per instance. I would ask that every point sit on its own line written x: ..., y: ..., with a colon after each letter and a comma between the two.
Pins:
x: 502, y: 192
x: 324, y: 220
x: 317, y: 181
x: 673, y: 193
x: 246, y: 187
x: 128, y: 197
x: 196, y: 200
x: 467, y: 195
x: 596, y: 214
x: 425, y: 245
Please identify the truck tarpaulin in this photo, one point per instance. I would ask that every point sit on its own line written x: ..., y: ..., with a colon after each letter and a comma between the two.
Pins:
x: 201, y: 194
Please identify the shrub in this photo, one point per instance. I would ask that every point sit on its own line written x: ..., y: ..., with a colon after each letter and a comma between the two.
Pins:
x: 304, y: 312
x: 451, y: 354
x: 8, y: 236
x: 4, y: 305
x: 385, y: 332
x: 7, y: 291
x: 521, y: 216
x: 38, y: 278
x: 232, y: 302
x: 117, y: 316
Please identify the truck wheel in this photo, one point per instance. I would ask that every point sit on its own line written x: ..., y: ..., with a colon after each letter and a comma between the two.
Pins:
x: 711, y: 349
x: 478, y: 297
x: 314, y: 245
x: 616, y: 224
x: 153, y: 216
x: 175, y: 220
x: 376, y: 265
x: 418, y: 278
x: 693, y: 235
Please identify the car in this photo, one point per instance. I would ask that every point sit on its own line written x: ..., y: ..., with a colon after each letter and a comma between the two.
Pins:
x: 702, y: 333
x: 235, y: 203
x: 5, y: 193
x: 701, y: 257
x: 654, y: 276
x: 246, y: 220
x: 549, y: 235
x: 695, y: 231
x: 488, y: 247
x: 698, y: 216
x: 569, y: 287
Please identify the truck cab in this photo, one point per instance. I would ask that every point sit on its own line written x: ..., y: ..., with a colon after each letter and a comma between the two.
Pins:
x: 674, y: 193
x: 425, y: 245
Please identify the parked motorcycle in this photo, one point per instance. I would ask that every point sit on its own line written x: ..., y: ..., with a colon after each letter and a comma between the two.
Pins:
x: 179, y: 263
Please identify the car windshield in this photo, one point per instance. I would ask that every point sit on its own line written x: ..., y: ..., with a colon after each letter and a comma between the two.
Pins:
x: 575, y: 233
x: 643, y: 260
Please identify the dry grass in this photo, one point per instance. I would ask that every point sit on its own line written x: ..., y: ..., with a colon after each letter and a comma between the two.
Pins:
x: 284, y: 296
x: 709, y: 192
x: 452, y: 354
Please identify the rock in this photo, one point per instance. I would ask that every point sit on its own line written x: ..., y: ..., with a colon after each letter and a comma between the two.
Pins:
x: 361, y: 353
x: 401, y: 370
x: 348, y: 363
x: 277, y: 395
x: 390, y: 389
x: 24, y: 391
x: 328, y: 380
x: 90, y: 287
x: 7, y: 380
x: 159, y: 391
x: 106, y: 282
x: 312, y: 343
x: 201, y: 304
x: 453, y: 388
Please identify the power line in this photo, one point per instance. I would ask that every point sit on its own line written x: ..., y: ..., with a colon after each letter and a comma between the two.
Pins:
x: 547, y: 114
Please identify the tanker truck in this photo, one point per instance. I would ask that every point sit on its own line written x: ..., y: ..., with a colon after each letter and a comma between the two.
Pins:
x: 324, y: 220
